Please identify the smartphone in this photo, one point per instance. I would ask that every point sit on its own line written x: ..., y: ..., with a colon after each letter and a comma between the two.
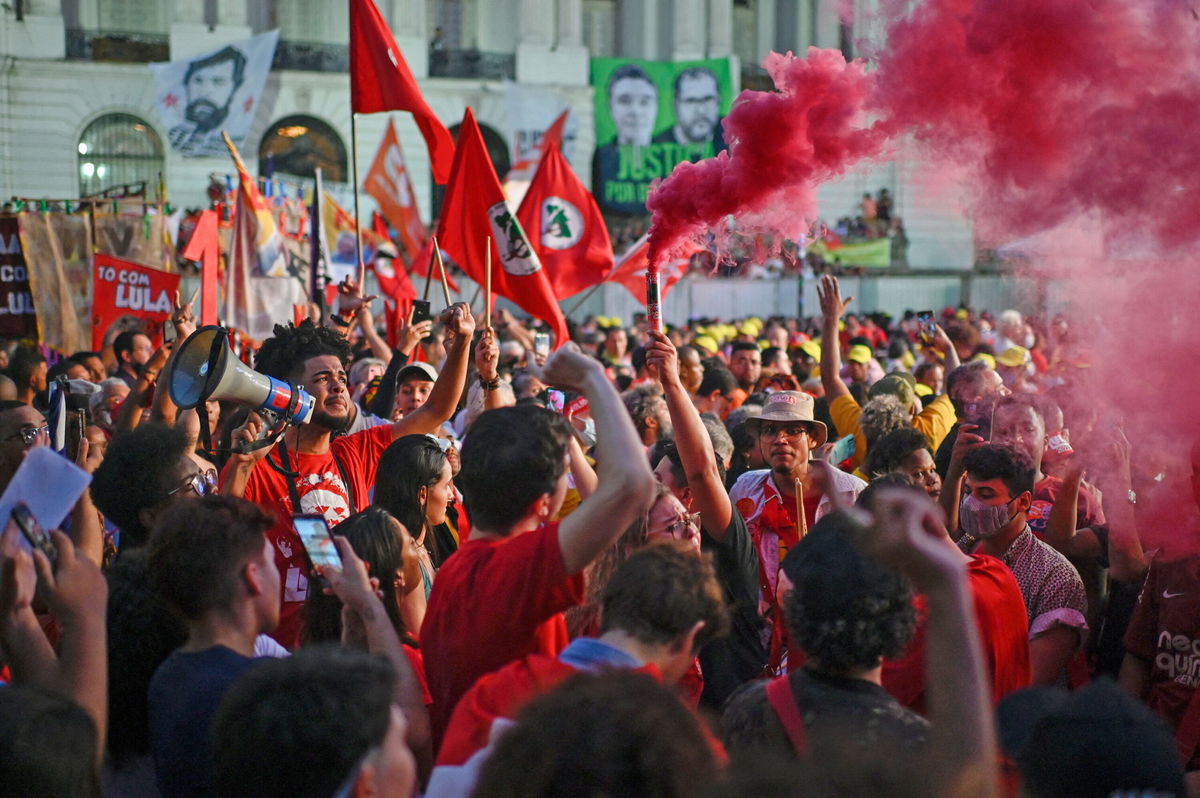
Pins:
x: 541, y: 345
x: 558, y: 400
x: 979, y: 413
x: 169, y: 333
x: 421, y: 311
x: 318, y: 542
x: 843, y: 449
x: 38, y: 538
x: 928, y: 327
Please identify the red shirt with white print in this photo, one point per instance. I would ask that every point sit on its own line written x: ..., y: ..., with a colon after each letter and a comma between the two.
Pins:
x: 321, y: 491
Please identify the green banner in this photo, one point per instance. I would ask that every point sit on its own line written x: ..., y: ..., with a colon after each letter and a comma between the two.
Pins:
x: 650, y: 116
x: 875, y: 254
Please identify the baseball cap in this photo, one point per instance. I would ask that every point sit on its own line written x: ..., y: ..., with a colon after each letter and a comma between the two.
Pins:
x: 860, y: 354
x: 812, y: 349
x: 789, y: 407
x: 895, y: 385
x: 1093, y: 743
x: 986, y: 358
x: 1013, y: 357
x: 706, y: 343
x: 421, y: 371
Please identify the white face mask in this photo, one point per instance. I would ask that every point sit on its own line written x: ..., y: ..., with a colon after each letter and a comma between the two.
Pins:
x: 981, y: 520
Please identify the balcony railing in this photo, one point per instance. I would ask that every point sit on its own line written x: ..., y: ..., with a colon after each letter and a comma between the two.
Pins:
x: 472, y: 64
x: 121, y: 46
x: 311, y: 56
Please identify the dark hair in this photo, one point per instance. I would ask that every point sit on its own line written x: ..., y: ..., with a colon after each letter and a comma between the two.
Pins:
x: 846, y: 610
x: 614, y: 733
x: 923, y: 369
x: 408, y: 464
x: 61, y: 367
x: 1008, y: 464
x: 22, y: 363
x: 640, y: 402
x: 79, y: 357
x: 637, y: 359
x: 142, y: 631
x: 512, y: 456
x: 198, y: 548
x: 11, y: 404
x: 667, y: 448
x: 47, y: 745
x: 224, y: 54
x: 772, y: 352
x: 887, y: 453
x: 742, y: 346
x: 717, y: 379
x: 139, y: 468
x: 124, y: 343
x: 661, y: 591
x: 970, y: 373
x: 372, y: 535
x: 628, y: 71
x: 283, y: 355
x: 695, y: 72
x: 296, y: 727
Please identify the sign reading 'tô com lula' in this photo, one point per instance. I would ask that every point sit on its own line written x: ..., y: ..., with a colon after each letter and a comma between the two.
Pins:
x: 124, y: 288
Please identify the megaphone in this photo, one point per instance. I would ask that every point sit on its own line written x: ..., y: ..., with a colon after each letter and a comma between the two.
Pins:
x: 206, y: 368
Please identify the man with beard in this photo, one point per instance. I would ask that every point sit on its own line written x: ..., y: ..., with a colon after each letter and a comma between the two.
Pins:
x: 311, y: 471
x: 210, y: 84
x: 697, y: 112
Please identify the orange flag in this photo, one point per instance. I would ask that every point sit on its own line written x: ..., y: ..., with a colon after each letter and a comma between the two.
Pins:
x: 388, y: 182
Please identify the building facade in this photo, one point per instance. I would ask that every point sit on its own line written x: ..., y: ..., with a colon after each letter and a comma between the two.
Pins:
x: 78, y: 103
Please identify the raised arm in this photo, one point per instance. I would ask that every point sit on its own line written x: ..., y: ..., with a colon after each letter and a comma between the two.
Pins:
x: 952, y: 487
x: 409, y: 336
x: 1127, y: 561
x: 379, y: 347
x: 443, y: 399
x: 942, y: 343
x: 962, y: 742
x: 625, y: 484
x: 691, y: 439
x: 163, y: 408
x: 487, y: 361
x: 833, y: 307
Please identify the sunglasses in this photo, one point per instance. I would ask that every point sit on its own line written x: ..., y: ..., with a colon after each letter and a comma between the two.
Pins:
x: 29, y: 435
x: 203, y: 483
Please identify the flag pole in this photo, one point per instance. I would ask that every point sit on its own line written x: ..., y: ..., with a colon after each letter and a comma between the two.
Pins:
x: 584, y: 298
x: 437, y: 253
x: 429, y: 272
x: 362, y: 269
x: 487, y: 296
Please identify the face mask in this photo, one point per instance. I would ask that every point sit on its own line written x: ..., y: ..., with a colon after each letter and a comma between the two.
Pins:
x: 981, y: 520
x: 587, y: 436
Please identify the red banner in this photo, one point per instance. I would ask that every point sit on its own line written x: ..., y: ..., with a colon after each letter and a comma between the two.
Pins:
x: 17, y: 316
x: 123, y: 288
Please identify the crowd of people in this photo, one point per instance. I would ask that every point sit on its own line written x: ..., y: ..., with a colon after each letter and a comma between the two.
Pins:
x: 843, y: 555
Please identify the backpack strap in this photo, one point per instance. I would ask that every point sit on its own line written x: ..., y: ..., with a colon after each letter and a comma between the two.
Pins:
x: 783, y: 701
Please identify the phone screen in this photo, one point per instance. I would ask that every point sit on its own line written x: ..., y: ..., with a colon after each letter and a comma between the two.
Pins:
x: 314, y: 534
x: 541, y: 344
x: 33, y: 533
x: 925, y: 319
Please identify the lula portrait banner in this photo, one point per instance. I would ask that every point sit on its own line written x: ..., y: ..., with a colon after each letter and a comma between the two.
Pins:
x: 650, y: 116
x: 218, y: 90
x: 124, y: 288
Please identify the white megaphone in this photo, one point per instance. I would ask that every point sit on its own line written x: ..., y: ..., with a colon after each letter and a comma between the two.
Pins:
x: 206, y: 368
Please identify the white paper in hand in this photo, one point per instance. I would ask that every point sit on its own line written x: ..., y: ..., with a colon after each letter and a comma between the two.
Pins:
x: 48, y: 483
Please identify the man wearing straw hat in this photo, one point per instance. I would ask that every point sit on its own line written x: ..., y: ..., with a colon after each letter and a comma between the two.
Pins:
x: 782, y: 502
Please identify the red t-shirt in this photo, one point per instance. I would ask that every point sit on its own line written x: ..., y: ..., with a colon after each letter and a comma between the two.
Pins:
x: 493, y: 602
x: 1165, y: 632
x: 1046, y: 492
x: 322, y: 491
x: 1003, y: 630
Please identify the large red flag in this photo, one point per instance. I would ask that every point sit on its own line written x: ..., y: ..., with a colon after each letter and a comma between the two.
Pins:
x: 473, y: 210
x: 380, y: 80
x: 565, y: 226
x: 630, y: 271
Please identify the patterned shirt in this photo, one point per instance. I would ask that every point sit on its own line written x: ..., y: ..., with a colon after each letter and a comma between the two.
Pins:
x: 1050, y: 585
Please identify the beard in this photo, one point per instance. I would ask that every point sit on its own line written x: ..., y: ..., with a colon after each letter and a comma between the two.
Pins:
x: 331, y: 422
x: 206, y: 114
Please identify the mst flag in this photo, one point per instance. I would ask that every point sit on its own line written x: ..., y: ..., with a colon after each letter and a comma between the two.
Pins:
x: 565, y: 226
x: 473, y: 210
x: 260, y: 289
x: 380, y: 80
x: 630, y: 271
x: 387, y: 181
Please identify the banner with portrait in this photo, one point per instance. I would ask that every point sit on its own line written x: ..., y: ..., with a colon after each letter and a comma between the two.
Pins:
x: 58, y: 257
x: 650, y: 116
x: 219, y: 90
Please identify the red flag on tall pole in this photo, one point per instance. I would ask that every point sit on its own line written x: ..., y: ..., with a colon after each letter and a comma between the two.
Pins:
x: 565, y: 226
x: 474, y: 210
x: 380, y: 80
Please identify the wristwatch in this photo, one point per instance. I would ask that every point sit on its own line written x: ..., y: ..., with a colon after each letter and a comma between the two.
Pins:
x: 489, y: 385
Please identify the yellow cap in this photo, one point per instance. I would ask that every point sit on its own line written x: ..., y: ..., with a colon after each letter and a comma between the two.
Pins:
x: 1013, y: 357
x: 860, y: 353
x: 706, y: 343
x: 923, y: 390
x: 812, y: 349
x: 908, y: 360
x: 748, y: 329
x: 986, y: 358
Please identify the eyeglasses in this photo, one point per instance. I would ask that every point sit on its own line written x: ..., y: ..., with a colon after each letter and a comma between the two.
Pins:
x: 684, y: 528
x: 203, y: 483
x: 788, y: 430
x: 29, y: 435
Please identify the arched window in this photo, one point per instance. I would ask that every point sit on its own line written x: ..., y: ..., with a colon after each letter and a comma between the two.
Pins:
x: 297, y: 145
x: 118, y: 150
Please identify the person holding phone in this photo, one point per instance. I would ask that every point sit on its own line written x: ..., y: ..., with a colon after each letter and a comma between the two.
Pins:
x: 309, y: 470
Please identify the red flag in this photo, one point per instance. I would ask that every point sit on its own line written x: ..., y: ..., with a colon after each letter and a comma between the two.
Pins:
x: 630, y: 271
x: 388, y: 182
x: 393, y: 277
x: 380, y: 80
x: 473, y: 210
x: 565, y: 227
x: 123, y: 288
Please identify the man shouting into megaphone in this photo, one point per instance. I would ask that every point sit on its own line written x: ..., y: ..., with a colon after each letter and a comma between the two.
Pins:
x: 309, y: 471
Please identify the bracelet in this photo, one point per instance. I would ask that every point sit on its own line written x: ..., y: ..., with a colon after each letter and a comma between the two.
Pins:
x: 489, y: 385
x: 339, y: 321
